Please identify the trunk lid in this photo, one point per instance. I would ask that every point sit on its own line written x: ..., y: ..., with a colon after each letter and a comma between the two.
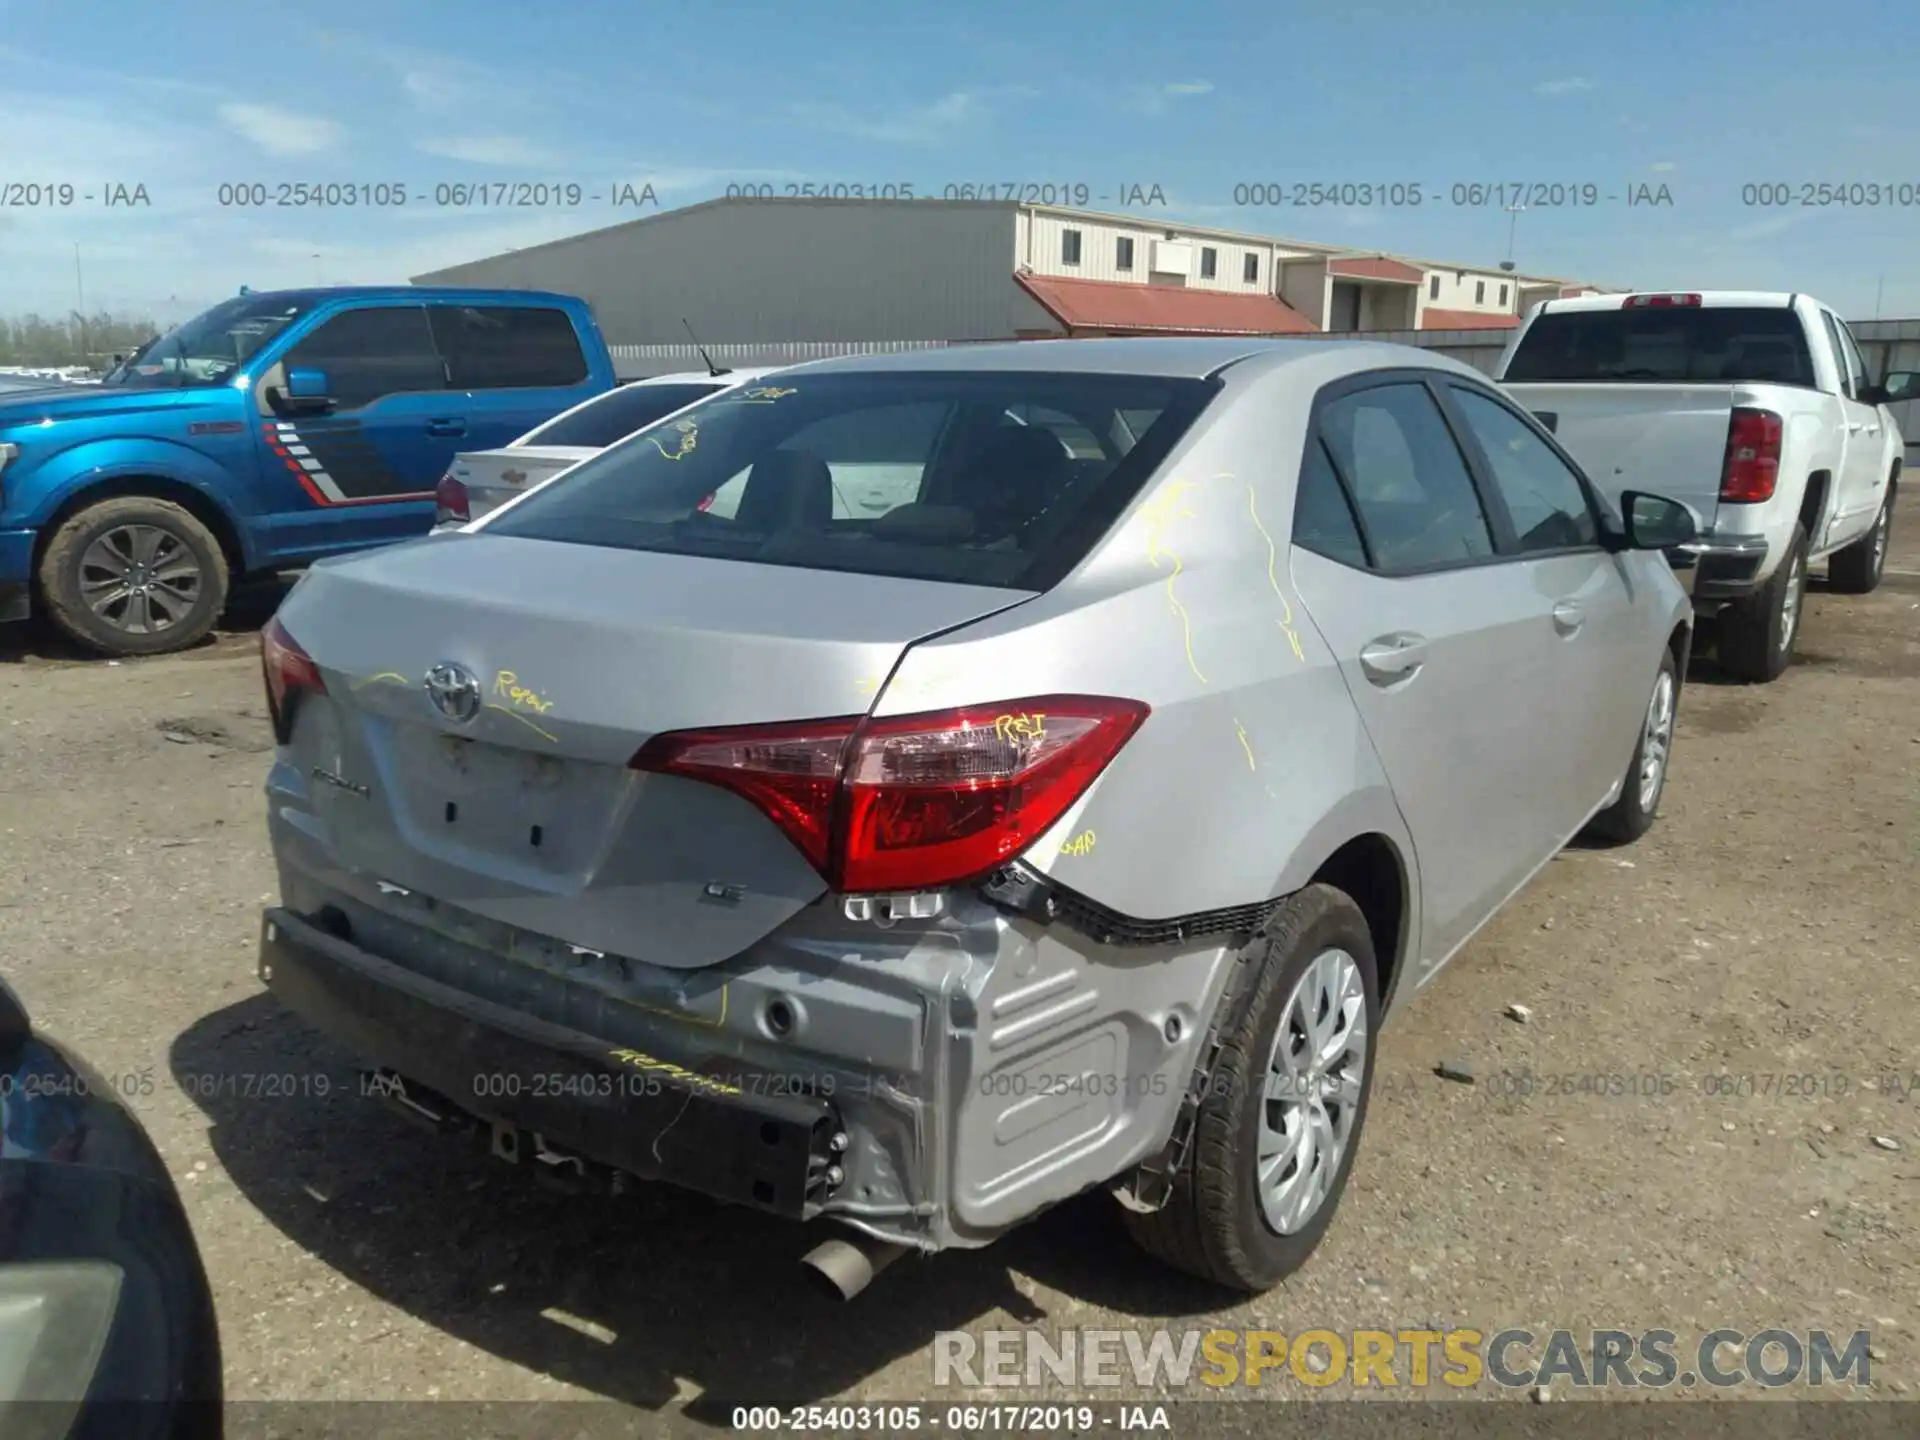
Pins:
x: 526, y: 812
x: 493, y: 477
x: 1667, y: 439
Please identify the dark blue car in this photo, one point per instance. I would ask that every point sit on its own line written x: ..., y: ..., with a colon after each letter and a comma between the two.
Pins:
x: 265, y: 433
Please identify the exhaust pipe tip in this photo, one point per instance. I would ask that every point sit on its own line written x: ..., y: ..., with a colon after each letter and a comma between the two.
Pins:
x: 846, y: 1267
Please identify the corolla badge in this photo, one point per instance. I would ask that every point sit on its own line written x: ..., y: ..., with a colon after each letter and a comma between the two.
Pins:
x: 454, y: 690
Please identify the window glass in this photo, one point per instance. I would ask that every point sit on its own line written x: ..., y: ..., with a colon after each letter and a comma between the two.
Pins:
x: 500, y: 347
x: 1415, y: 494
x: 617, y: 415
x: 908, y: 473
x: 1250, y: 269
x: 1675, y: 343
x: 1069, y: 247
x: 1856, y: 367
x: 1079, y: 440
x: 370, y: 353
x: 1123, y: 253
x: 1208, y: 257
x: 1322, y: 520
x: 1545, y: 499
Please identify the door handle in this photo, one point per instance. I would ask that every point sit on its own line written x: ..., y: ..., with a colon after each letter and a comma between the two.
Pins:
x: 1855, y: 427
x: 1393, y: 657
x: 1568, y: 616
x: 451, y: 428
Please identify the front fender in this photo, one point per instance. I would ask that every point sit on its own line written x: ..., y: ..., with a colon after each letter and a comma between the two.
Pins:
x: 51, y: 485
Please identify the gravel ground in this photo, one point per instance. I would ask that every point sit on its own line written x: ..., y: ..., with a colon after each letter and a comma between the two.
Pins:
x: 1766, y: 928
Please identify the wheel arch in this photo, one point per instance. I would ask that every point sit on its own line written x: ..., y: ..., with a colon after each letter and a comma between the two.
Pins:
x: 1372, y: 872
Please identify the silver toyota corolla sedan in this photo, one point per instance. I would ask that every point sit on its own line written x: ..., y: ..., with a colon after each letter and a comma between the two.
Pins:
x: 1072, y: 823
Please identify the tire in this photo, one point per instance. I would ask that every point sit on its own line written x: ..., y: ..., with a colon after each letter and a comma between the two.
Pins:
x: 1631, y: 816
x: 1757, y: 634
x: 1214, y: 1224
x: 1857, y: 569
x: 186, y: 584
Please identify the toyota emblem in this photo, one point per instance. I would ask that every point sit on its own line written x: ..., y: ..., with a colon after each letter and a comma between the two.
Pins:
x: 454, y: 690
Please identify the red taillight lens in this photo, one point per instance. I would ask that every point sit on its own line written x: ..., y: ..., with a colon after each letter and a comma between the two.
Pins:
x: 936, y: 799
x: 288, y: 670
x: 1752, y: 467
x: 911, y: 802
x: 1660, y: 302
x: 450, y: 502
x: 705, y: 505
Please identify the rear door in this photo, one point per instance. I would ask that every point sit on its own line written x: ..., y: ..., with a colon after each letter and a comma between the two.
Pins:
x: 1601, y: 666
x: 1863, y: 477
x: 1446, y: 644
x: 367, y: 467
x: 513, y: 366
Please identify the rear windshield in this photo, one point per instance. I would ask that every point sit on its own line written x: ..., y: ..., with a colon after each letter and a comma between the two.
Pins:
x: 1678, y: 344
x: 617, y: 415
x: 1005, y: 478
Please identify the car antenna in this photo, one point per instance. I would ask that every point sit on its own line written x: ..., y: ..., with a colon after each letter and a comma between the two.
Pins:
x: 712, y: 369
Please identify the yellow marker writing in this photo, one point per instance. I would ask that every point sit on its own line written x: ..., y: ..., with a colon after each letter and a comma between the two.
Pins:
x: 689, y: 438
x: 1022, y: 726
x: 1241, y: 730
x: 507, y: 686
x: 385, y: 677
x: 691, y: 1078
x: 1160, y: 514
x: 1286, y: 611
x: 1081, y: 844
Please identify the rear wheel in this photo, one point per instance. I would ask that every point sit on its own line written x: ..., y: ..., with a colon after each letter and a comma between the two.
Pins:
x: 1757, y: 633
x: 1857, y: 569
x: 134, y: 576
x: 1278, y: 1129
x: 1631, y: 816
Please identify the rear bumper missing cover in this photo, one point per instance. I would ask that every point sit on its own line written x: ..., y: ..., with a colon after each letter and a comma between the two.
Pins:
x: 631, y: 1112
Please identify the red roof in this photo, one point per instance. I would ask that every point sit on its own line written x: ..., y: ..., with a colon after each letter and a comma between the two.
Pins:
x: 1162, y: 309
x: 1377, y: 268
x: 1466, y: 320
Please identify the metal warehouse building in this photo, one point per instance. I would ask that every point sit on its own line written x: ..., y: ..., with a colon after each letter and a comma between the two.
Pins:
x: 775, y: 281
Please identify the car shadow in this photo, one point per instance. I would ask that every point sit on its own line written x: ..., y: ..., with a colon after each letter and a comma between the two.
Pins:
x: 250, y: 604
x: 630, y: 1296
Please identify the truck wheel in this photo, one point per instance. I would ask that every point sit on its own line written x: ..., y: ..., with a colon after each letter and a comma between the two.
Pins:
x: 1631, y: 816
x: 1757, y: 633
x: 134, y: 576
x: 1856, y: 570
x: 1280, y: 1120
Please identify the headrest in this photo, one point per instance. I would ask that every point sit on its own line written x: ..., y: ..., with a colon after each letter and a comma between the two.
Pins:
x: 786, y: 490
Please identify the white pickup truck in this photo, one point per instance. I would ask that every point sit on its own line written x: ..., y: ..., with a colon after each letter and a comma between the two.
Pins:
x: 1755, y: 410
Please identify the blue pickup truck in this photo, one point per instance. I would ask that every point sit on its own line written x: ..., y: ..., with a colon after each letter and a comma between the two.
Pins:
x: 272, y: 430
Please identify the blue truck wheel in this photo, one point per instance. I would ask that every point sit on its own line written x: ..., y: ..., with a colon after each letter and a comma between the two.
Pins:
x: 134, y: 576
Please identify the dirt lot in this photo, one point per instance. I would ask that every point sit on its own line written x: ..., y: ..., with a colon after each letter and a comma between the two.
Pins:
x: 1768, y: 927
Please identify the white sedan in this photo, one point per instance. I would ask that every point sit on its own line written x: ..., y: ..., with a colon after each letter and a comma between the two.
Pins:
x: 482, y: 480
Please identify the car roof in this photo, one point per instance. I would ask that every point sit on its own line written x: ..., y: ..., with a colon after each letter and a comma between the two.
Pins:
x: 698, y: 377
x: 1171, y: 357
x: 314, y: 294
x: 1709, y: 300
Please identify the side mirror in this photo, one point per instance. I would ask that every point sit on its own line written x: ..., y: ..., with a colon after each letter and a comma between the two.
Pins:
x: 1898, y: 386
x: 1655, y: 522
x: 306, y: 391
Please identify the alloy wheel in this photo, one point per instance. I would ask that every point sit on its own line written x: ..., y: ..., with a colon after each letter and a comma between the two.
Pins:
x: 140, y: 579
x: 1311, y: 1091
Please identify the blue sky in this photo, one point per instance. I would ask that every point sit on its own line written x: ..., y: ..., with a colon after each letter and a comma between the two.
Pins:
x: 1197, y: 99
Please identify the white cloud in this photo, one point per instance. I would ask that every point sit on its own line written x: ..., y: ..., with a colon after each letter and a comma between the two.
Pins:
x: 1663, y: 165
x: 281, y: 132
x: 919, y: 125
x: 510, y: 151
x: 1571, y: 85
x: 1189, y: 87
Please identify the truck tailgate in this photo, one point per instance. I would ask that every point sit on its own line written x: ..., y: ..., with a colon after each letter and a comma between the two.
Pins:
x: 1668, y: 439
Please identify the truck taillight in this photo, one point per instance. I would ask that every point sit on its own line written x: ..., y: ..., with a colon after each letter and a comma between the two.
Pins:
x: 289, y: 672
x: 911, y: 802
x: 1752, y: 468
x: 450, y: 502
x: 1659, y: 302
